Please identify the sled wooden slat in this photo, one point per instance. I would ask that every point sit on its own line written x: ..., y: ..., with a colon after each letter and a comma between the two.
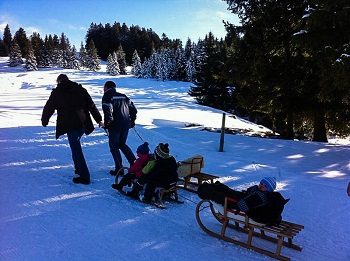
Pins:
x: 194, y: 167
x: 281, y: 235
x: 201, y: 177
x: 164, y: 191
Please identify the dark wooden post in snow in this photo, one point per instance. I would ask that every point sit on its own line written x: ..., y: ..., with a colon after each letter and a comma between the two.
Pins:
x: 221, y: 149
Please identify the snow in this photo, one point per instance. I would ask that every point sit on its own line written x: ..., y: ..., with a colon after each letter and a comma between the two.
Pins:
x: 44, y: 216
x: 301, y: 32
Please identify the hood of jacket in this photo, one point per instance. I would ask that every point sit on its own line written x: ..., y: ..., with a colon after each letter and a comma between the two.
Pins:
x: 67, y: 85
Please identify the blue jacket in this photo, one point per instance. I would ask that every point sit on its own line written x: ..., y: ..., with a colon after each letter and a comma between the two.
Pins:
x: 119, y: 111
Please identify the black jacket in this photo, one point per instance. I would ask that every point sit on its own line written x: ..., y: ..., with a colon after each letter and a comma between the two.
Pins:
x: 164, y: 171
x: 263, y: 207
x: 74, y: 105
x: 119, y: 111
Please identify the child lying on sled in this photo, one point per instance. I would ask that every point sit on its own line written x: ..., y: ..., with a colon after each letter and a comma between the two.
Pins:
x: 259, y: 202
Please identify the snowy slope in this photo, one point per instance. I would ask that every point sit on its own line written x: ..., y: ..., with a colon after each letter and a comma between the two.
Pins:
x: 44, y: 216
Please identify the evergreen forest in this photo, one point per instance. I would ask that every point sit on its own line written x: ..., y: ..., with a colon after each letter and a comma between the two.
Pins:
x: 285, y: 66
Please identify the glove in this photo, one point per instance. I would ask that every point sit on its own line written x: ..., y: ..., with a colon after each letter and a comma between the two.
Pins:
x: 44, y: 124
x: 101, y: 124
x: 132, y: 124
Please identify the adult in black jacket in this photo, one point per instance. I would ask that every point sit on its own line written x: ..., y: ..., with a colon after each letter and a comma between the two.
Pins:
x: 74, y: 105
x: 119, y: 116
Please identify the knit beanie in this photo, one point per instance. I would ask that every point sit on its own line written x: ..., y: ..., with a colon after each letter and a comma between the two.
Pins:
x: 269, y: 183
x: 143, y: 148
x: 110, y: 84
x: 162, y: 150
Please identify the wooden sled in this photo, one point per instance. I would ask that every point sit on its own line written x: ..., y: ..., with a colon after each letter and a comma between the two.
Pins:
x: 170, y: 193
x: 281, y: 235
x: 190, y: 170
x: 120, y: 174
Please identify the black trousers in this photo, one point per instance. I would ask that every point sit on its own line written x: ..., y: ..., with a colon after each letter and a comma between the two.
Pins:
x: 127, y: 179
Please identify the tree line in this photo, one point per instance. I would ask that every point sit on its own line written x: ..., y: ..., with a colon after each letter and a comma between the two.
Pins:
x: 286, y: 66
x: 52, y: 51
x: 149, y: 55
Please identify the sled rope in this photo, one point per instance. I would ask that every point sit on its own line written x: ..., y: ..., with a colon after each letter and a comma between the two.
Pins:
x: 138, y: 134
x: 188, y: 199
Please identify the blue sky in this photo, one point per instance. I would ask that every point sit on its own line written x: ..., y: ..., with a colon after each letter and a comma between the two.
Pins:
x: 177, y: 18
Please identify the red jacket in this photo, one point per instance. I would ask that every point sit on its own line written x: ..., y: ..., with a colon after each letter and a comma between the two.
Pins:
x: 139, y: 163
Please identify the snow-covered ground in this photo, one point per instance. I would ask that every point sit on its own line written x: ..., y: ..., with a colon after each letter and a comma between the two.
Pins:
x: 44, y: 216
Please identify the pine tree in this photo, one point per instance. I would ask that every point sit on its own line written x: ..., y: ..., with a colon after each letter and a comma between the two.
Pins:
x: 15, y: 55
x: 136, y: 64
x: 199, y: 55
x: 56, y: 52
x: 46, y: 58
x: 2, y: 48
x: 121, y: 60
x: 7, y: 39
x: 162, y: 70
x: 190, y: 68
x: 57, y: 58
x: 109, y: 63
x: 22, y: 41
x: 38, y: 48
x: 180, y: 65
x: 83, y: 57
x: 93, y: 61
x: 211, y: 86
x: 268, y: 60
x: 325, y: 38
x: 72, y: 62
x: 112, y: 64
x: 148, y: 67
x: 68, y: 57
x: 31, y: 64
x: 188, y: 48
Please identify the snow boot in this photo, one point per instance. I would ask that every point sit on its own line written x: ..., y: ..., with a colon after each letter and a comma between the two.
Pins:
x: 80, y: 180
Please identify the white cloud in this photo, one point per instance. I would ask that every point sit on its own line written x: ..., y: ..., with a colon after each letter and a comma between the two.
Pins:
x: 224, y: 15
x: 206, y: 15
x: 31, y: 29
x: 14, y: 26
x: 73, y: 27
x: 6, y: 20
x: 65, y: 25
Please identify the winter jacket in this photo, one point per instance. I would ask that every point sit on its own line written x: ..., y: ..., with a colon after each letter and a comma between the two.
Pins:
x: 164, y: 171
x: 253, y: 198
x: 119, y: 111
x: 138, y: 165
x: 74, y: 105
x: 262, y: 206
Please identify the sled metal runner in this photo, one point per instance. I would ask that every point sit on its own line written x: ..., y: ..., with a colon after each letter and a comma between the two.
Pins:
x: 281, y: 235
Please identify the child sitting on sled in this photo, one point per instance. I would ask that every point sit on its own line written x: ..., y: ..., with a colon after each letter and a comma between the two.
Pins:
x: 163, y: 173
x: 135, y: 171
x: 259, y: 202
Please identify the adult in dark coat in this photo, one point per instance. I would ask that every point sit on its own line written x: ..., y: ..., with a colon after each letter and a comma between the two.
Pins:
x: 74, y: 105
x: 119, y: 116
